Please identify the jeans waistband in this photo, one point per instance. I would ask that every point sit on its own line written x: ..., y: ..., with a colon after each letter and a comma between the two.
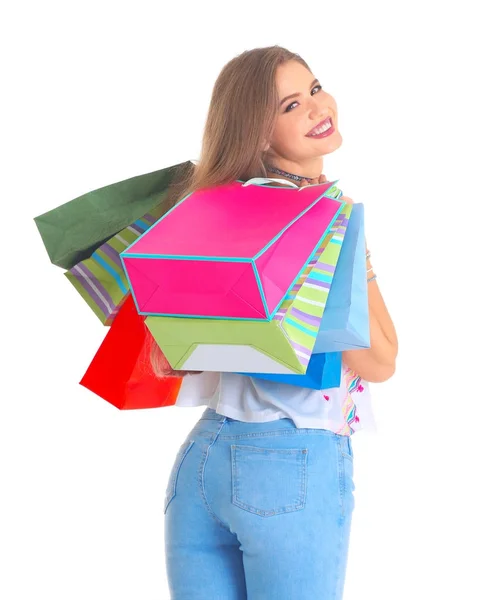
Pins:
x: 211, y: 415
x: 211, y: 422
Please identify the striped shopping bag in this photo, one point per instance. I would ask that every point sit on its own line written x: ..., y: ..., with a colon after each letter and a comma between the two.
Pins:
x: 100, y: 279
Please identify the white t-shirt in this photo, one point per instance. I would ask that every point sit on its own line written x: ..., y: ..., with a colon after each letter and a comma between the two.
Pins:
x: 343, y: 410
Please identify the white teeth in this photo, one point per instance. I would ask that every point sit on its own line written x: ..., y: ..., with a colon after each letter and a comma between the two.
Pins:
x: 328, y: 125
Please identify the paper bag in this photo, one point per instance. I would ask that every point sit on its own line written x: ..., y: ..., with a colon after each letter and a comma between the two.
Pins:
x: 345, y: 324
x: 231, y: 251
x: 324, y: 372
x: 100, y: 279
x: 283, y: 345
x: 121, y: 372
x: 73, y: 231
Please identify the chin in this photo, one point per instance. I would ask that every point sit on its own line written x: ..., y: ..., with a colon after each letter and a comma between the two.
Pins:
x: 335, y: 144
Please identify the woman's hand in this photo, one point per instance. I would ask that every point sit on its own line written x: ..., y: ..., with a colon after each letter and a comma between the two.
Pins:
x: 323, y: 179
x: 315, y: 181
x: 173, y: 373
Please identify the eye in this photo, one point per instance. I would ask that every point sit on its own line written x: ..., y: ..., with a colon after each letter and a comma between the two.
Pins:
x: 316, y: 87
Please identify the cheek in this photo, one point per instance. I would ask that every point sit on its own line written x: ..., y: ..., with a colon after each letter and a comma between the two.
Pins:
x: 288, y: 134
x: 332, y: 104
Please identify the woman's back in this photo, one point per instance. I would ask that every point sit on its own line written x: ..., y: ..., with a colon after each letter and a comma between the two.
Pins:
x: 343, y: 410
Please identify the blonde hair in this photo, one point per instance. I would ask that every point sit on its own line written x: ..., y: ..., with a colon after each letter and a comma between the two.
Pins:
x: 240, y: 121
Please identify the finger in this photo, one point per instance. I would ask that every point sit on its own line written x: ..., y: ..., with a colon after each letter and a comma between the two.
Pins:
x: 313, y: 181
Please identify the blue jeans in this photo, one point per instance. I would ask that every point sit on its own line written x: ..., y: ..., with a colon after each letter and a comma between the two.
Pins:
x: 258, y: 511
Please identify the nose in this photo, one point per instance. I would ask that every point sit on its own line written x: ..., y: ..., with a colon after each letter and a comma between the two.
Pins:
x: 316, y: 111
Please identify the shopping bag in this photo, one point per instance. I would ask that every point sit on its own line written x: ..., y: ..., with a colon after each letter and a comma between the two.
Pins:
x: 283, y: 345
x: 100, y: 279
x: 121, y: 372
x: 324, y: 372
x: 345, y: 324
x: 232, y: 251
x: 73, y: 231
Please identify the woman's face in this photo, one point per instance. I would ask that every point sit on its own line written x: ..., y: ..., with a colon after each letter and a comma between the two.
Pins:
x: 290, y: 145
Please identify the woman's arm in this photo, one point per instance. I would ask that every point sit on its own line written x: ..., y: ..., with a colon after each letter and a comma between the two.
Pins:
x: 377, y: 363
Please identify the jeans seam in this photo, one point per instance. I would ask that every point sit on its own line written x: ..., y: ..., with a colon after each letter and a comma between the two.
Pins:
x: 202, y: 468
x: 173, y: 478
x: 341, y: 470
x: 339, y: 555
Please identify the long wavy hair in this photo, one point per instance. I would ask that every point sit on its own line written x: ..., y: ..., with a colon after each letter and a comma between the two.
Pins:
x: 240, y: 121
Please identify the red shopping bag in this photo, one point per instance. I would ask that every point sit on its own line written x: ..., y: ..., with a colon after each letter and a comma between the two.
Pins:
x: 121, y: 372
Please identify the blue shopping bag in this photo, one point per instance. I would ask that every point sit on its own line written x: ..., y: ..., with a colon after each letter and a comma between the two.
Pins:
x: 345, y: 324
x: 324, y: 372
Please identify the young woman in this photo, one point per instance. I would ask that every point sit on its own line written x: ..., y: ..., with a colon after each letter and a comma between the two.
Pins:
x: 260, y: 498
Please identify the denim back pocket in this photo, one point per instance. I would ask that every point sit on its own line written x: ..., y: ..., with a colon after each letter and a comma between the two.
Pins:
x: 268, y: 481
x: 173, y: 477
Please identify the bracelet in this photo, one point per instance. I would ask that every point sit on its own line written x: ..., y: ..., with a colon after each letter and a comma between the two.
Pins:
x: 371, y: 278
x: 371, y: 269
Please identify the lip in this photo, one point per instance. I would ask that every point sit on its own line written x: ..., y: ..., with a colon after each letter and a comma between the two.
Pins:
x: 326, y: 133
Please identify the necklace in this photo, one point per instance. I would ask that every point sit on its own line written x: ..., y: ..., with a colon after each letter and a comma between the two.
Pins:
x: 286, y: 174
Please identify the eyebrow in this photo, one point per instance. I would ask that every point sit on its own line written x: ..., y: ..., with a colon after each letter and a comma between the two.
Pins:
x: 296, y: 94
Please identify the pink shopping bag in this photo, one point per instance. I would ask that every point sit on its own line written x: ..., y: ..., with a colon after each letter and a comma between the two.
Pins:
x: 231, y: 251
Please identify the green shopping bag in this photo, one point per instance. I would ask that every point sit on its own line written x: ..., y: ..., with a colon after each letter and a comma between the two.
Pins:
x: 73, y: 231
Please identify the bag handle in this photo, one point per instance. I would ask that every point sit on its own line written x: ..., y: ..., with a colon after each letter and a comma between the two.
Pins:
x: 262, y: 180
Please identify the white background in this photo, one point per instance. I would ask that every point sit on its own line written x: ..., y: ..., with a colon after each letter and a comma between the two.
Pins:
x: 96, y: 92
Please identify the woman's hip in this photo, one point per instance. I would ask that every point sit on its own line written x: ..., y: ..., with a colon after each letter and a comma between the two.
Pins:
x: 282, y: 496
x: 264, y: 470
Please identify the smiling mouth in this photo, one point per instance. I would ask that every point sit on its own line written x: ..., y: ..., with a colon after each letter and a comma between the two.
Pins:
x: 316, y: 133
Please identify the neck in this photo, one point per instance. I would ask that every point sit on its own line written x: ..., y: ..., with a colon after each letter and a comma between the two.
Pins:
x: 293, y: 171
